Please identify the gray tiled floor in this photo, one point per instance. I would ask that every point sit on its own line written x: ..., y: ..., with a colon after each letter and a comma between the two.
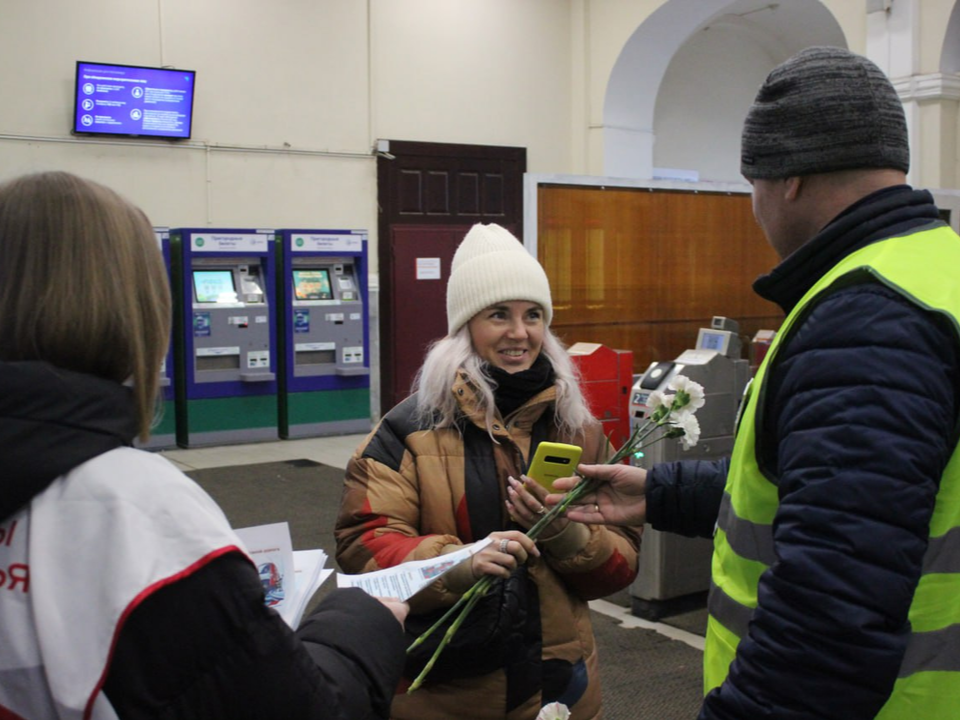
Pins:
x: 334, y: 451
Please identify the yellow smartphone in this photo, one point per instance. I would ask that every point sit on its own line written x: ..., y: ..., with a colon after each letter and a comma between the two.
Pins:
x: 553, y: 460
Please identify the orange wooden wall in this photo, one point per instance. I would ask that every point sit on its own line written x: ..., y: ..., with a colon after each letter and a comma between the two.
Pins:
x: 643, y: 269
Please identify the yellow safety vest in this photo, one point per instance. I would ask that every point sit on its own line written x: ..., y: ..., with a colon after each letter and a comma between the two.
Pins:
x: 928, y: 684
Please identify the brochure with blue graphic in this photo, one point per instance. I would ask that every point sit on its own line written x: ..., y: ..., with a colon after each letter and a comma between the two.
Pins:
x: 289, y: 578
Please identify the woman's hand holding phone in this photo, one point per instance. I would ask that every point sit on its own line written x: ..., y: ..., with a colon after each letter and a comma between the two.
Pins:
x: 525, y: 499
x: 553, y: 460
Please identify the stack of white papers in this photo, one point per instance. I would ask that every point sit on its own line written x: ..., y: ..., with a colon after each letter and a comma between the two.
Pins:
x: 289, y: 578
x: 309, y: 574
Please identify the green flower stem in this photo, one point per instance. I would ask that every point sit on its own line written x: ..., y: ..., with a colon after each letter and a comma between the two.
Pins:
x: 471, y: 597
x: 479, y: 588
x: 569, y: 499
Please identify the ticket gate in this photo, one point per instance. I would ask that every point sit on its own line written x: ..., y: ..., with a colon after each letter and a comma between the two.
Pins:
x: 225, y: 335
x: 674, y: 570
x: 323, y: 333
x: 163, y: 434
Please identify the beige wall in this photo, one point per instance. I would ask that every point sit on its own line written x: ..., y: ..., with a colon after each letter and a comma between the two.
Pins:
x: 292, y: 94
x: 281, y: 122
x: 490, y: 72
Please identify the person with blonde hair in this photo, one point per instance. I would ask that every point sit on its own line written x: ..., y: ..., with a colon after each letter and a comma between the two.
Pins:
x: 124, y: 593
x: 444, y: 469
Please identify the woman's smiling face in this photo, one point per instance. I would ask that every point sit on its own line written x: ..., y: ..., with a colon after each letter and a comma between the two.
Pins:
x: 508, y: 335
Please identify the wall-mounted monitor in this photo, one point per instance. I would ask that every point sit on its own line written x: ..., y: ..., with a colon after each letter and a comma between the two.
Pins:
x: 132, y: 101
x: 313, y: 284
x: 214, y: 286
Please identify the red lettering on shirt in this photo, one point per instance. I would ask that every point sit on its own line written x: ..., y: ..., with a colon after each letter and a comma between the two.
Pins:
x: 19, y: 575
x: 6, y: 534
x: 16, y: 574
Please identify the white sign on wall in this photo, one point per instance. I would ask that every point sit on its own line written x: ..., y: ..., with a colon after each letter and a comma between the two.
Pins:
x: 428, y: 268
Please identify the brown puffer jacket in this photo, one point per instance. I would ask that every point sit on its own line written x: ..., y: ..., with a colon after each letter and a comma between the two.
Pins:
x: 406, y: 498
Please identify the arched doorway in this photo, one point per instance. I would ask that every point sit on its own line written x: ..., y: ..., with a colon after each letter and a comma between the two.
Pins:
x: 678, y: 93
x: 950, y: 54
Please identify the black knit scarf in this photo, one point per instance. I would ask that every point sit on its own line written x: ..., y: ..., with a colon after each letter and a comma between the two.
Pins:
x: 514, y: 389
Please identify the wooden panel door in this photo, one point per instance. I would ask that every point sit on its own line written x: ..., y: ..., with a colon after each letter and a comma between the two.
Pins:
x: 430, y: 195
x: 644, y: 269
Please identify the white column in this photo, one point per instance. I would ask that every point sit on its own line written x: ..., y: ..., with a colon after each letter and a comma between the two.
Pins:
x: 893, y: 42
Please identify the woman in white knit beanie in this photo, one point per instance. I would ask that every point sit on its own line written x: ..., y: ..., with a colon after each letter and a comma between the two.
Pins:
x: 445, y: 468
x: 491, y: 266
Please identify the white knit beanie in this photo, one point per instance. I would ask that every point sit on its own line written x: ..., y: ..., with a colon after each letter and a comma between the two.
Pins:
x: 489, y: 267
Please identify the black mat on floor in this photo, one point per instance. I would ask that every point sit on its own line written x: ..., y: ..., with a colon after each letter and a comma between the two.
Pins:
x: 645, y: 676
x: 303, y: 493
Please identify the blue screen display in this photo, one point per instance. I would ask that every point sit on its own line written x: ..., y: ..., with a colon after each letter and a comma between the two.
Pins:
x: 131, y: 100
x: 712, y: 341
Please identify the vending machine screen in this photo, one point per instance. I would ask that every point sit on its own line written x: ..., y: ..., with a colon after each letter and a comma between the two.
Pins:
x: 214, y: 286
x: 312, y: 284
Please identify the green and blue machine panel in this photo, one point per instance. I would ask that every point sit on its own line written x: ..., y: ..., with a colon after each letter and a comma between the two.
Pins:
x: 323, y: 333
x: 225, y: 351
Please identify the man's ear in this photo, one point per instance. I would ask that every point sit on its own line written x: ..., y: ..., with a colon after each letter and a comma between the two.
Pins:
x: 792, y: 187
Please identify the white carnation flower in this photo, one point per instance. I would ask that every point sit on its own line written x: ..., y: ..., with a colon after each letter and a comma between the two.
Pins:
x: 688, y: 422
x: 657, y: 399
x: 693, y: 390
x: 554, y: 711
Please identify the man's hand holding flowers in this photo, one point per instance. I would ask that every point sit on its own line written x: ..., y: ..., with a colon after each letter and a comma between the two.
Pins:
x: 619, y: 497
x: 615, y: 494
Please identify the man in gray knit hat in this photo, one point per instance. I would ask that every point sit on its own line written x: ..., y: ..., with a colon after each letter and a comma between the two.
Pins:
x: 836, y: 571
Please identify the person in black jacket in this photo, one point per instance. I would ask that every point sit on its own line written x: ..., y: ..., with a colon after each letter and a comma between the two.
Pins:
x: 123, y: 590
x: 835, y: 519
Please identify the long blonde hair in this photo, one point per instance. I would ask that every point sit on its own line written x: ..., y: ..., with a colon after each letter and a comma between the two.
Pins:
x: 438, y: 407
x: 82, y: 284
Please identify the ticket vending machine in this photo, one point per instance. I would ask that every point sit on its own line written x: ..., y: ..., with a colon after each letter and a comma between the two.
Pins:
x: 674, y: 570
x: 163, y: 434
x: 225, y: 372
x: 324, y: 334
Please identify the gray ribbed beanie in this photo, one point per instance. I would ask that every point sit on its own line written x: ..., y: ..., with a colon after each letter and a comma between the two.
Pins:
x: 824, y: 109
x: 489, y: 267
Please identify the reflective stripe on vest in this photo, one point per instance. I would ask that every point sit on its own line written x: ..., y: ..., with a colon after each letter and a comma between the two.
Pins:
x: 929, y: 680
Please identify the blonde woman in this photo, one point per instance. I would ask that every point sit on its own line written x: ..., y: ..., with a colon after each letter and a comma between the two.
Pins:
x: 125, y: 593
x: 445, y: 468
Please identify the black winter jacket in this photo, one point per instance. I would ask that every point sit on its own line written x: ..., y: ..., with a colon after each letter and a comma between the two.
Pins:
x: 204, y: 647
x: 860, y: 419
